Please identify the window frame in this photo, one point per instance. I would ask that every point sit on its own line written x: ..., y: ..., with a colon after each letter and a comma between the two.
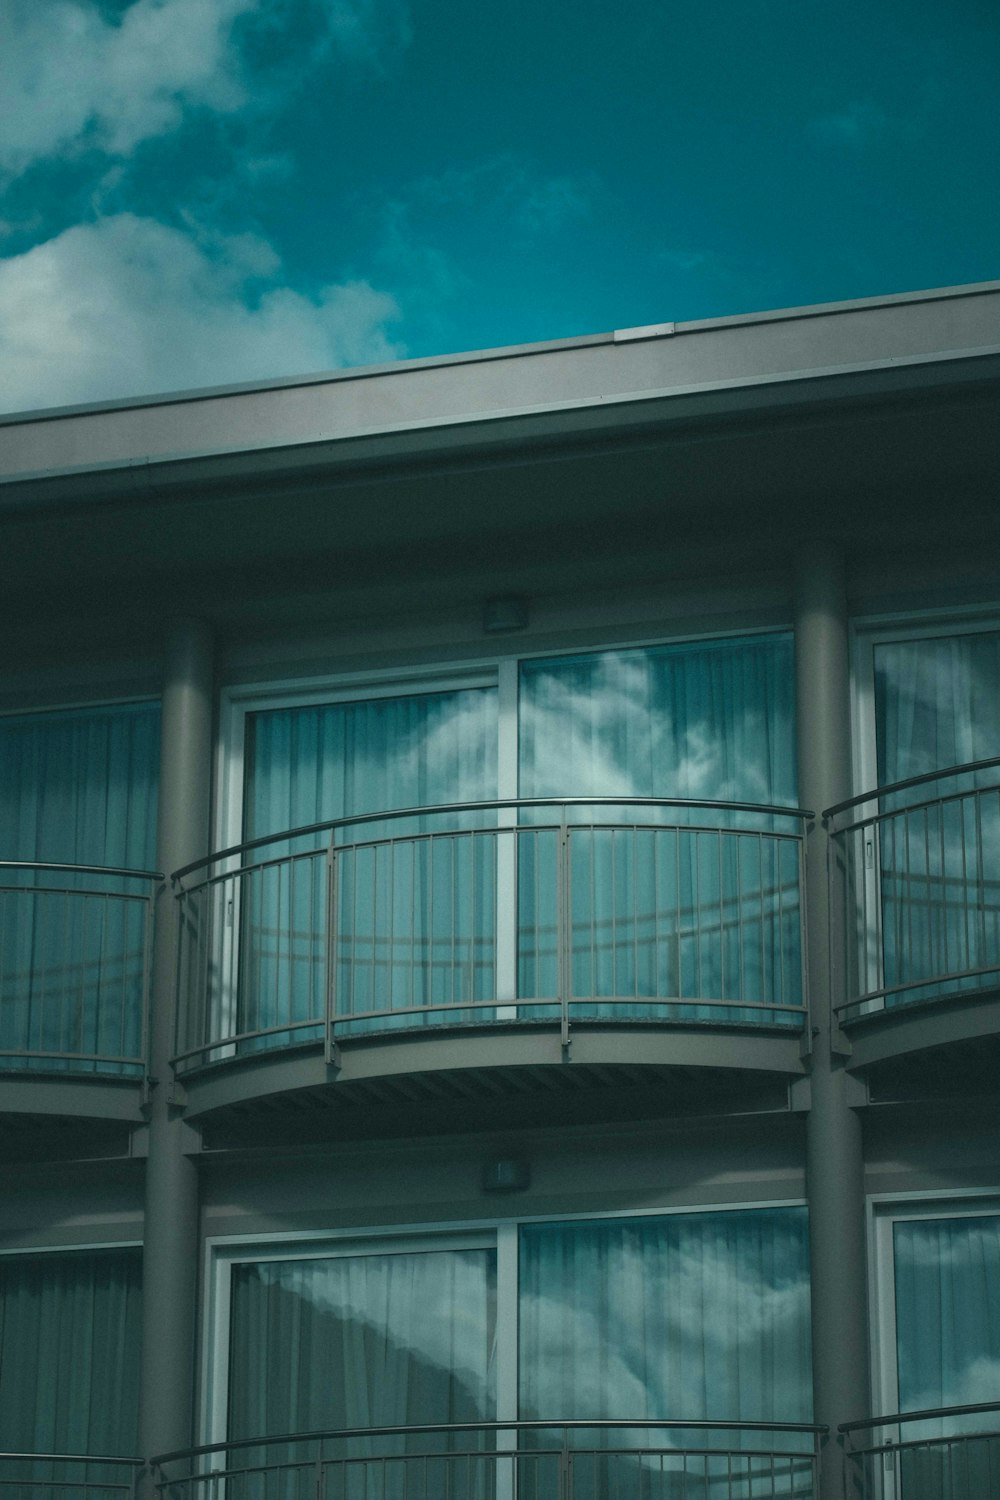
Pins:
x: 884, y: 1211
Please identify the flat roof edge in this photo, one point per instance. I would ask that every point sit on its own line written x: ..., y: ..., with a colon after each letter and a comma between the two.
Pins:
x: 511, y: 351
x: 144, y: 468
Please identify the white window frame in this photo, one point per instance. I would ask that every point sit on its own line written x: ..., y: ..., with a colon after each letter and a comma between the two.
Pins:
x: 884, y: 1212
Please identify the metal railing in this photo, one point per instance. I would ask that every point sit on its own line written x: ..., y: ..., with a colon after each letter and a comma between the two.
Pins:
x: 557, y: 911
x: 943, y: 1453
x: 75, y: 953
x: 668, y: 1460
x: 915, y: 890
x: 67, y: 1476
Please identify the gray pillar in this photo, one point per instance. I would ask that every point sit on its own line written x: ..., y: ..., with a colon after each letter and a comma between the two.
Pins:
x: 170, y: 1255
x: 834, y: 1163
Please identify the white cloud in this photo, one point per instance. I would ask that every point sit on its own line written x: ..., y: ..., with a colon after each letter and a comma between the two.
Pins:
x: 128, y: 306
x: 71, y: 76
x: 67, y: 72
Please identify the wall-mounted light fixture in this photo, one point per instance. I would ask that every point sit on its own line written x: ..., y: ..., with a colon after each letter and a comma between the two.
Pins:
x: 509, y: 612
x: 506, y: 1174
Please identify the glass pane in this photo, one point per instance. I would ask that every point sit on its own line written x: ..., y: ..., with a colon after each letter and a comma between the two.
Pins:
x: 947, y: 1288
x: 685, y: 1317
x: 415, y: 904
x: 76, y: 788
x: 937, y: 705
x: 668, y: 904
x: 362, y: 1341
x: 69, y: 1353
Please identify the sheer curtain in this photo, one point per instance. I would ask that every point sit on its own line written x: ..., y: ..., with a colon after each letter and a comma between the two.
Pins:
x: 947, y: 1287
x: 414, y: 921
x: 69, y: 1358
x: 686, y: 904
x: 937, y: 705
x: 75, y: 788
x: 685, y: 1317
x: 367, y: 1341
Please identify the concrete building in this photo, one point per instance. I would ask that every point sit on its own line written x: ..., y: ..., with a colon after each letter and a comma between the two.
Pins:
x: 500, y: 923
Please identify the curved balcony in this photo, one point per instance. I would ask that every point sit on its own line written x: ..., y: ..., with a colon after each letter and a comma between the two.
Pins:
x: 66, y: 1476
x: 534, y: 923
x: 495, y: 1461
x: 915, y: 911
x: 75, y: 954
x: 944, y: 1453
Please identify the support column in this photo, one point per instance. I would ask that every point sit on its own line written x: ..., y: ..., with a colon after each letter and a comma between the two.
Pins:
x: 170, y: 1255
x: 834, y: 1162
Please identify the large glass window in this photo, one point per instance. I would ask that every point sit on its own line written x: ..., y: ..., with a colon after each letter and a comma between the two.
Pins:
x: 939, y: 1317
x: 414, y: 903
x: 76, y: 788
x: 937, y: 707
x: 674, y: 903
x: 69, y: 1353
x: 695, y: 1317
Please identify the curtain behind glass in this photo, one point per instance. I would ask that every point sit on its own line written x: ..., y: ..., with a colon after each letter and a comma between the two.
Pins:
x: 937, y: 705
x: 76, y: 788
x: 687, y: 1317
x: 367, y: 1341
x: 677, y: 904
x: 69, y: 1352
x: 947, y: 1287
x: 414, y: 914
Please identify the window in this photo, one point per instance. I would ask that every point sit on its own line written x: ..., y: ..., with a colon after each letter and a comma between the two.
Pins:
x: 69, y: 1355
x: 938, y: 1326
x: 921, y: 865
x: 688, y: 1316
x: 678, y: 907
x: 76, y: 788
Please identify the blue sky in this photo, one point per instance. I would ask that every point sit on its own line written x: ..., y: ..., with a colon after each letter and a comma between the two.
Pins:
x: 199, y: 192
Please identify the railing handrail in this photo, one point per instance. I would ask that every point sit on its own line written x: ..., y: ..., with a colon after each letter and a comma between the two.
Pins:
x: 493, y: 804
x: 531, y: 1424
x: 72, y: 1458
x: 892, y: 787
x: 928, y: 1414
x: 115, y: 870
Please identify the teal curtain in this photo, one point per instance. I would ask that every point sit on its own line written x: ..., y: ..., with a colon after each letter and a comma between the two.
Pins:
x: 76, y: 788
x: 937, y: 705
x: 365, y: 1341
x: 415, y: 908
x: 947, y: 1288
x: 69, y: 1352
x: 674, y: 905
x: 683, y: 1317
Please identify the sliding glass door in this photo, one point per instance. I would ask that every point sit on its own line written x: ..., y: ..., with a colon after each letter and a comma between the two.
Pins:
x: 679, y: 903
x: 697, y: 1318
x: 939, y: 1325
x: 69, y: 1372
x: 937, y: 706
x: 413, y: 907
x: 76, y: 788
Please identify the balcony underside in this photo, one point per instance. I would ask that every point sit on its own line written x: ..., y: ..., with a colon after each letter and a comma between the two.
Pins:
x: 472, y: 1073
x: 82, y: 1096
x: 961, y: 1023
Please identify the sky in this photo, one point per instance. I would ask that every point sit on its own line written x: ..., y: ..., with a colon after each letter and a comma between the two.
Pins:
x: 206, y: 192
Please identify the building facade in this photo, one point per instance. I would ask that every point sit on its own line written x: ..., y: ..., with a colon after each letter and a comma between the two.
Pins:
x: 500, y: 924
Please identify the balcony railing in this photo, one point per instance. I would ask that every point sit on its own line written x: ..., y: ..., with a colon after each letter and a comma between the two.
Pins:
x: 66, y: 1476
x: 944, y: 1453
x: 577, y: 910
x: 75, y: 952
x: 915, y: 890
x: 507, y: 1461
